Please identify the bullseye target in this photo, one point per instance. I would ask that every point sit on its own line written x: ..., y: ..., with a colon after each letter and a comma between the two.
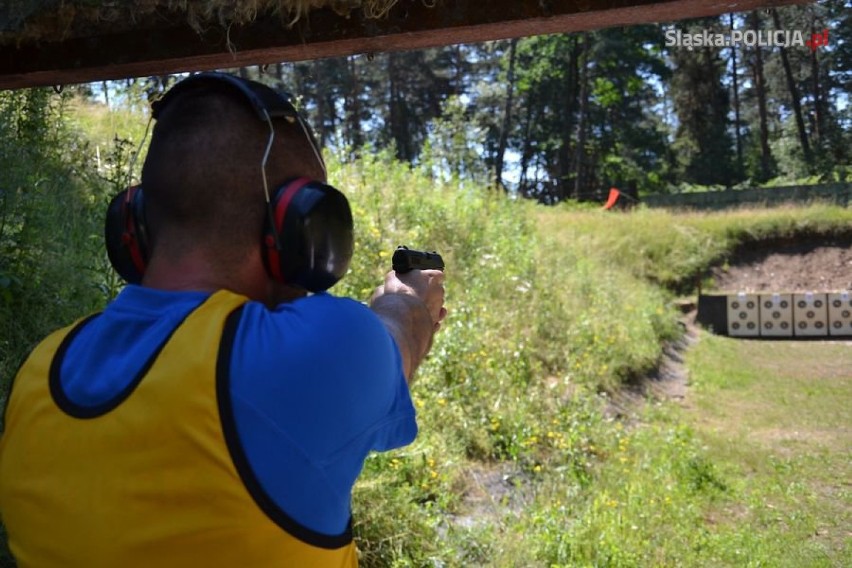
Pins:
x: 744, y: 315
x: 810, y: 314
x: 776, y: 315
x: 840, y: 313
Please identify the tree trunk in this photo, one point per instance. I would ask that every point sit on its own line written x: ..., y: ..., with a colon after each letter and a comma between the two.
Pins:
x: 458, y: 88
x: 565, y: 169
x: 353, y: 107
x: 794, y: 96
x: 396, y: 110
x: 526, y: 145
x: 760, y: 89
x: 735, y: 81
x: 580, y: 148
x: 507, y: 116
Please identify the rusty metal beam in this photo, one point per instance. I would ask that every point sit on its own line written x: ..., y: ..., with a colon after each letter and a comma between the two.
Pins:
x: 163, y: 43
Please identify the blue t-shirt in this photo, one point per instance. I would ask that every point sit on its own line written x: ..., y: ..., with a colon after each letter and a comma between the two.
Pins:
x: 316, y: 384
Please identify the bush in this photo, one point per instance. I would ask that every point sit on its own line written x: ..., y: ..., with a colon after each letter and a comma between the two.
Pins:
x: 52, y: 264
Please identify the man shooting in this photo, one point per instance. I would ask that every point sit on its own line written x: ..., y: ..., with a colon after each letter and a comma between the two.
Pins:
x: 216, y: 413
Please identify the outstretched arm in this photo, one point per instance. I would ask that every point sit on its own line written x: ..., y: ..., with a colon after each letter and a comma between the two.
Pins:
x: 411, y: 306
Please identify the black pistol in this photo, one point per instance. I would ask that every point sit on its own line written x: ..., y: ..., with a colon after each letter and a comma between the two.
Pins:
x: 406, y: 259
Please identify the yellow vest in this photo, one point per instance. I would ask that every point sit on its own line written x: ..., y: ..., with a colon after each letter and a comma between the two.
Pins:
x: 156, y: 481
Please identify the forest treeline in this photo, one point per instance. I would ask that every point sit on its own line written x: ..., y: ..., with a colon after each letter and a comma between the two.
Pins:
x: 567, y: 115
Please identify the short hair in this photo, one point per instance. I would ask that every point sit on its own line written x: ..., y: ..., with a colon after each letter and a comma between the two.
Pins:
x: 202, y: 175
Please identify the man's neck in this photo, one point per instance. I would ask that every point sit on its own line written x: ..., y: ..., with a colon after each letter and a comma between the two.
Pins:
x: 195, y: 272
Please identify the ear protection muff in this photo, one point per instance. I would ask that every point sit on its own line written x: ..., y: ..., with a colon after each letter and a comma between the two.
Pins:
x: 308, y: 237
x: 126, y: 234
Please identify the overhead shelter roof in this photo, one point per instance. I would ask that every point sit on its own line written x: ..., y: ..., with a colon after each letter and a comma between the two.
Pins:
x: 55, y: 42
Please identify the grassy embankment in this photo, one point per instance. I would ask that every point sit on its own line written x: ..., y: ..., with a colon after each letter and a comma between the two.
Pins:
x: 518, y: 462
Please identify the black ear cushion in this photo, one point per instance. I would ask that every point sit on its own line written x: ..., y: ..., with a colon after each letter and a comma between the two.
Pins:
x: 126, y: 235
x: 312, y: 243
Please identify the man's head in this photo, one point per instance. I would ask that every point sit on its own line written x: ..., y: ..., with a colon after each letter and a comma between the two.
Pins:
x: 234, y: 194
x: 203, y: 178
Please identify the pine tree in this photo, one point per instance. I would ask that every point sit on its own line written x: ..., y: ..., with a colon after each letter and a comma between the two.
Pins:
x: 702, y: 140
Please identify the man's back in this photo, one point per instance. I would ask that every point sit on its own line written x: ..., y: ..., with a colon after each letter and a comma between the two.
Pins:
x: 154, y: 467
x: 189, y: 426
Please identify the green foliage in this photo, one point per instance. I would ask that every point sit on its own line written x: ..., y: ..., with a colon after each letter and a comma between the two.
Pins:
x: 50, y: 224
x: 702, y: 142
x: 450, y: 152
x: 637, y: 515
x: 584, y: 111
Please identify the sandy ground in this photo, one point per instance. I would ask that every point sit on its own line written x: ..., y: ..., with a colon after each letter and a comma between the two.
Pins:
x: 811, y: 267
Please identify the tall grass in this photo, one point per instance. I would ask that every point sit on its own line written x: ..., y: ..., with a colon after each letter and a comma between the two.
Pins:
x: 673, y: 249
x: 60, y: 162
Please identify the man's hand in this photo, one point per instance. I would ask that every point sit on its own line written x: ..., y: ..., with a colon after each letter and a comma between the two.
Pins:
x: 427, y: 285
x: 411, y: 306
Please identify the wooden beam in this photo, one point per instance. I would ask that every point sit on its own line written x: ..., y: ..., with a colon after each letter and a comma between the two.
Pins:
x: 163, y: 43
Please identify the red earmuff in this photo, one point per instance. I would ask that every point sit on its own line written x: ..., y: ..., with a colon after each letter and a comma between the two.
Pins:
x: 308, y: 238
x: 126, y: 234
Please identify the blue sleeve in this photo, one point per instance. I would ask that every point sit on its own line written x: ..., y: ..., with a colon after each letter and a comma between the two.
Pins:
x: 316, y: 384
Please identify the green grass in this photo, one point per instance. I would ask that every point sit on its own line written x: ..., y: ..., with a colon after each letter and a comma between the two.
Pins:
x: 776, y: 416
x: 673, y: 249
x: 752, y: 471
x: 518, y: 462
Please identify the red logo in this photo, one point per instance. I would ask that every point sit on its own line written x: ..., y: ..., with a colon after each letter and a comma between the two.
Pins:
x: 818, y: 40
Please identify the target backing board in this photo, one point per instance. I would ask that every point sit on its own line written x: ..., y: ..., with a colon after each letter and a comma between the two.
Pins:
x: 776, y: 315
x: 840, y: 313
x: 810, y: 314
x: 744, y: 315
